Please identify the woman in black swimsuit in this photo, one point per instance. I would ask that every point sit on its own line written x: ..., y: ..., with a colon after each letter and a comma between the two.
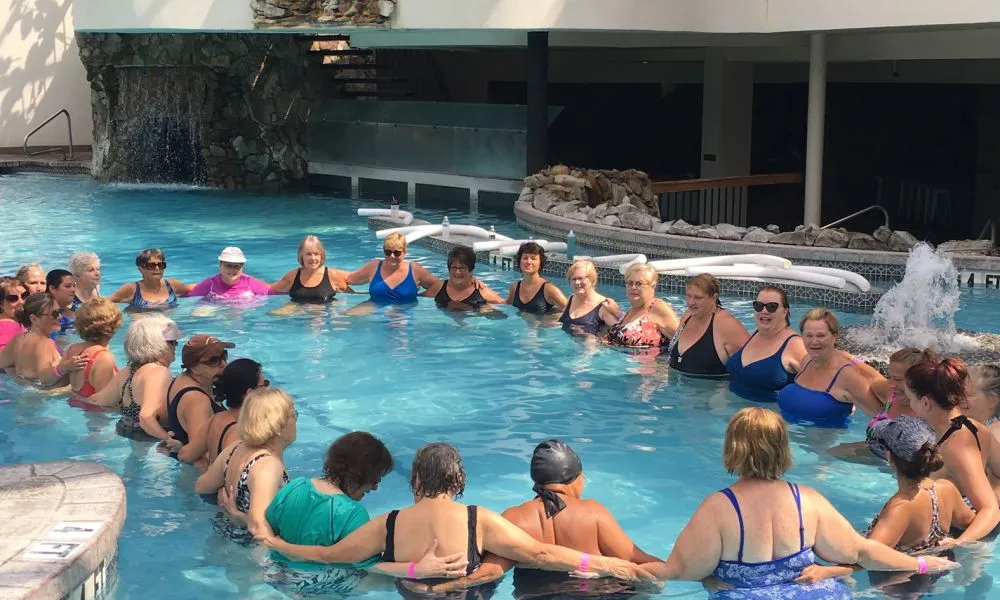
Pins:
x: 404, y: 535
x: 230, y: 388
x: 462, y: 291
x: 312, y: 282
x: 708, y: 335
x: 936, y: 391
x: 189, y: 397
x: 587, y: 312
x: 534, y: 294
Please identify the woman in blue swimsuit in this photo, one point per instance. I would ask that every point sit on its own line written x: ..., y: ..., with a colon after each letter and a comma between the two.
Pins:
x: 587, y: 311
x: 829, y: 385
x: 757, y: 535
x: 773, y: 354
x: 153, y: 291
x: 393, y: 280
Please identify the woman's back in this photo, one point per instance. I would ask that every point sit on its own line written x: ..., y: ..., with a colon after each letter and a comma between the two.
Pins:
x: 771, y: 525
x: 417, y: 526
x: 33, y: 354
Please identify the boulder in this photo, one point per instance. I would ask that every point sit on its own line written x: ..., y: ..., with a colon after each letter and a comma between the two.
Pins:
x: 730, y: 232
x: 570, y: 181
x: 545, y: 200
x: 527, y: 195
x: 882, y: 234
x: 863, y: 241
x: 618, y: 193
x: 611, y: 221
x: 707, y: 231
x: 637, y: 220
x: 983, y: 247
x: 756, y: 234
x: 811, y: 232
x: 902, y: 241
x: 600, y: 211
x: 559, y: 170
x: 789, y: 238
x: 680, y: 227
x: 564, y: 208
x: 831, y: 238
x: 579, y: 215
x: 773, y: 228
x: 533, y: 181
x: 593, y: 196
x: 662, y: 227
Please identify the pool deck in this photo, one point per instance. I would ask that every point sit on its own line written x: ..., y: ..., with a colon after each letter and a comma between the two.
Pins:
x: 59, y: 536
x: 46, y: 163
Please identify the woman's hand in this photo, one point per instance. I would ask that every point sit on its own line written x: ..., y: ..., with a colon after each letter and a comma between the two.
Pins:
x: 816, y: 573
x: 714, y: 584
x: 431, y: 565
x: 68, y: 364
x: 624, y: 569
x: 938, y: 564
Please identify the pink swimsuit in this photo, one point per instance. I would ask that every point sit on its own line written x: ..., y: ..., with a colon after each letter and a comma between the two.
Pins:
x: 245, y: 288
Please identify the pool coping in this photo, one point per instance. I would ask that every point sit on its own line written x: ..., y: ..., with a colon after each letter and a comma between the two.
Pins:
x: 13, y: 163
x: 78, y: 505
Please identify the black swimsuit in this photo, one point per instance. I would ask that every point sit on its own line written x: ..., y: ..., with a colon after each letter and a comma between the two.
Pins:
x: 956, y: 424
x: 475, y: 558
x: 473, y: 300
x: 700, y: 358
x: 538, y: 304
x: 174, y: 404
x: 590, y: 322
x: 319, y: 294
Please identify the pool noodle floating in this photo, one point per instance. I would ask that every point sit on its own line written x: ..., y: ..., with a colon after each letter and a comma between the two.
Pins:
x: 405, y: 215
x: 790, y: 274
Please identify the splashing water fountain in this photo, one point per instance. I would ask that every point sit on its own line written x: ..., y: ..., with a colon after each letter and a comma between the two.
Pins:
x: 919, y: 312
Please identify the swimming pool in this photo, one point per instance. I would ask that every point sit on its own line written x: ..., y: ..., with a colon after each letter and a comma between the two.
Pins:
x: 649, y: 440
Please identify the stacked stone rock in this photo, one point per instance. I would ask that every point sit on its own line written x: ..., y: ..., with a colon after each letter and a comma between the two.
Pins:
x: 248, y: 98
x: 285, y: 13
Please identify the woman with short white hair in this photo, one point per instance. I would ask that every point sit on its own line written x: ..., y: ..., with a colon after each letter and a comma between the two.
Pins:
x: 586, y: 310
x: 140, y: 389
x: 649, y: 322
x: 86, y: 270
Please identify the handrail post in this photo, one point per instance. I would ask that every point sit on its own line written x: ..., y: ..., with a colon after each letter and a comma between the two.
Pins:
x: 878, y: 207
x: 69, y: 127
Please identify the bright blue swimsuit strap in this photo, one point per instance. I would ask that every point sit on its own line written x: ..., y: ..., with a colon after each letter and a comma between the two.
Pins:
x: 747, y: 342
x: 798, y: 504
x: 783, y: 344
x: 739, y: 515
x: 835, y: 376
x: 378, y: 273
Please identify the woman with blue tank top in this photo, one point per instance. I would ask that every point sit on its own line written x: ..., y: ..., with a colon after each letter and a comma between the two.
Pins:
x: 829, y: 385
x: 394, y: 280
x: 768, y: 361
x: 756, y: 536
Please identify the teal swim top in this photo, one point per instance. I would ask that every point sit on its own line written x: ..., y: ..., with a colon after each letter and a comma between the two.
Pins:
x: 301, y: 514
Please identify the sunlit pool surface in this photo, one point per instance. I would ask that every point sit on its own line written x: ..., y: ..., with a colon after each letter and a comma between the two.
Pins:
x: 650, y: 440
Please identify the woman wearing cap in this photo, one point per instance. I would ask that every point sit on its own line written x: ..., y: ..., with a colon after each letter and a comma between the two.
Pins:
x: 140, y: 389
x: 762, y: 531
x: 558, y: 514
x: 189, y: 405
x: 394, y: 280
x: 312, y: 282
x: 919, y: 516
x: 231, y: 284
x: 153, y: 291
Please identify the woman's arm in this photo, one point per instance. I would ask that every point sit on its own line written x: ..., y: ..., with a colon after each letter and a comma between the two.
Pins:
x: 425, y: 278
x: 109, y: 394
x: 68, y: 364
x: 124, y: 293
x: 510, y: 293
x: 180, y: 288
x: 794, y: 356
x: 429, y: 565
x: 215, y: 476
x: 554, y: 295
x: 966, y: 467
x: 364, y: 274
x: 734, y: 333
x: 152, y: 388
x: 339, y: 279
x: 613, y: 540
x: 488, y: 294
x: 698, y: 548
x: 859, y: 391
x: 201, y: 288
x: 363, y: 543
x: 284, y: 284
x: 8, y: 354
x: 264, y: 482
x: 492, y: 568
x: 260, y: 288
x: 664, y: 317
x: 195, y: 419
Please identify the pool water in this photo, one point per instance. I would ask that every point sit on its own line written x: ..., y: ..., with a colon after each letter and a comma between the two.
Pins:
x: 649, y: 440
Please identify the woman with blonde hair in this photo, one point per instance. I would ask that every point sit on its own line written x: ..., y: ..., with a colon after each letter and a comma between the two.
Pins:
x: 96, y: 322
x: 393, y: 280
x: 266, y: 426
x: 312, y: 282
x: 762, y: 531
x: 649, y: 322
x: 708, y: 335
x: 86, y: 270
x: 586, y: 310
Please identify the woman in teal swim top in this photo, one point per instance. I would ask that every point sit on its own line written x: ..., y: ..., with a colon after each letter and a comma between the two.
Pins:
x: 394, y: 280
x: 153, y: 291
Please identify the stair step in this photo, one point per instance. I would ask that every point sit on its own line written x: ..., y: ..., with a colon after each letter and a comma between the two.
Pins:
x: 369, y: 80
x: 350, y: 52
x: 339, y: 66
x: 379, y: 94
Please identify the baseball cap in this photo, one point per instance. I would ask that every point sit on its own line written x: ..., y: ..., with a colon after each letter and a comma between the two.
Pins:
x: 232, y: 254
x: 201, y: 347
x: 904, y: 436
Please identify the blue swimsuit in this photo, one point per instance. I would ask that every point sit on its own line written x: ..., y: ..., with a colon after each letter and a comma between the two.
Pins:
x: 761, y: 380
x: 801, y: 403
x: 590, y: 322
x: 139, y: 303
x: 404, y: 293
x: 774, y: 578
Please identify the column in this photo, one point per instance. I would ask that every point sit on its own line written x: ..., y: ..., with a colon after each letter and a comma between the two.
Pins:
x: 538, y: 102
x: 815, y: 130
x: 727, y: 116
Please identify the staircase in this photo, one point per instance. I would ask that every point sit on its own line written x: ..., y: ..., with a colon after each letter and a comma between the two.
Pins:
x: 356, y: 72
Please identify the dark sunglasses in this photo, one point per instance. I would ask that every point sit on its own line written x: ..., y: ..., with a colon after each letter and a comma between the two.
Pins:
x: 217, y: 360
x: 155, y: 266
x: 173, y: 343
x: 396, y: 253
x: 12, y: 298
x: 55, y: 314
x: 772, y: 307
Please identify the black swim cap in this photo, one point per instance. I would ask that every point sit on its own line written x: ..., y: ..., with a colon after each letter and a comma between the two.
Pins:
x: 553, y: 462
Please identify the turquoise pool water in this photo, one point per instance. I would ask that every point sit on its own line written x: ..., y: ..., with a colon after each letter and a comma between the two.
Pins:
x: 650, y: 440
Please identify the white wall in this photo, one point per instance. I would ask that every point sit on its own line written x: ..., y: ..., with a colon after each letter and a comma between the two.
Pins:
x: 40, y: 73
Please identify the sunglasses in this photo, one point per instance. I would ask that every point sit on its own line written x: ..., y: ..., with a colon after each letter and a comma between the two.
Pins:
x: 55, y: 314
x: 232, y: 265
x: 396, y: 253
x: 12, y: 298
x: 173, y: 343
x: 772, y: 307
x: 155, y: 266
x: 216, y: 360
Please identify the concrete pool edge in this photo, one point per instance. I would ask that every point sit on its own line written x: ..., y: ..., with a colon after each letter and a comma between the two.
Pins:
x: 60, y: 537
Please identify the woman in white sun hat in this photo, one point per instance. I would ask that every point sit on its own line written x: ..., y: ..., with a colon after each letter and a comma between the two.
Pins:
x: 231, y: 283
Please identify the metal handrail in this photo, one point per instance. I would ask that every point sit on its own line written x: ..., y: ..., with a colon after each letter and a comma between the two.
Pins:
x: 69, y: 127
x: 993, y: 231
x: 859, y: 213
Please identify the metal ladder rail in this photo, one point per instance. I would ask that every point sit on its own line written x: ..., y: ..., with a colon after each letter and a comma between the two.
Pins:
x: 69, y: 127
x: 878, y: 207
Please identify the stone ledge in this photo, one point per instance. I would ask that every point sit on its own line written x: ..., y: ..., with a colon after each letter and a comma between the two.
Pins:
x: 60, y: 538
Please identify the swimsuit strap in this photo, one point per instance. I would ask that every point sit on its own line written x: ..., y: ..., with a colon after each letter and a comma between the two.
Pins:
x: 739, y: 515
x: 835, y: 376
x: 784, y: 344
x: 225, y: 466
x: 222, y: 437
x: 389, y: 554
x: 128, y: 386
x: 935, y: 515
x: 473, y: 549
x: 957, y: 424
x: 748, y: 340
x: 798, y: 505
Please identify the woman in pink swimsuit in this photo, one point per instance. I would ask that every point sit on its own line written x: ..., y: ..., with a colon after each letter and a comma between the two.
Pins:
x: 231, y: 284
x: 12, y: 295
x: 649, y: 321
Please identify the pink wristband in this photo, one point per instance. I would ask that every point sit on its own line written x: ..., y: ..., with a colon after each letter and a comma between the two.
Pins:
x: 921, y: 565
x: 411, y: 572
x: 584, y: 562
x: 55, y: 369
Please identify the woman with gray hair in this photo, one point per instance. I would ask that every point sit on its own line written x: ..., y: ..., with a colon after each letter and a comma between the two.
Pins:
x: 140, y: 389
x: 153, y: 291
x: 649, y: 322
x: 86, y: 270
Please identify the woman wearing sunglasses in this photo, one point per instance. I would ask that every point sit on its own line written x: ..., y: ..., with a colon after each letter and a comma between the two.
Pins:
x: 190, y: 406
x: 153, y: 291
x: 773, y: 354
x: 394, y: 280
x: 230, y: 388
x: 11, y: 303
x: 34, y: 355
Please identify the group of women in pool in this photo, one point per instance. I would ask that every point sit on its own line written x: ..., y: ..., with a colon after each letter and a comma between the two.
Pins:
x: 758, y: 538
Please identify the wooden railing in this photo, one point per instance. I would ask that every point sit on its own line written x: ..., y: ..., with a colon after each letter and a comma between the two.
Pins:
x: 714, y: 200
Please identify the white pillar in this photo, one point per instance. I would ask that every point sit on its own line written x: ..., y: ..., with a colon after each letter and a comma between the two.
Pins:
x: 355, y: 188
x: 815, y: 129
x: 411, y: 192
x: 727, y: 116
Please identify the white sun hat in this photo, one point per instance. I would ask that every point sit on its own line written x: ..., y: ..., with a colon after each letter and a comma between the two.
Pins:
x: 232, y: 254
